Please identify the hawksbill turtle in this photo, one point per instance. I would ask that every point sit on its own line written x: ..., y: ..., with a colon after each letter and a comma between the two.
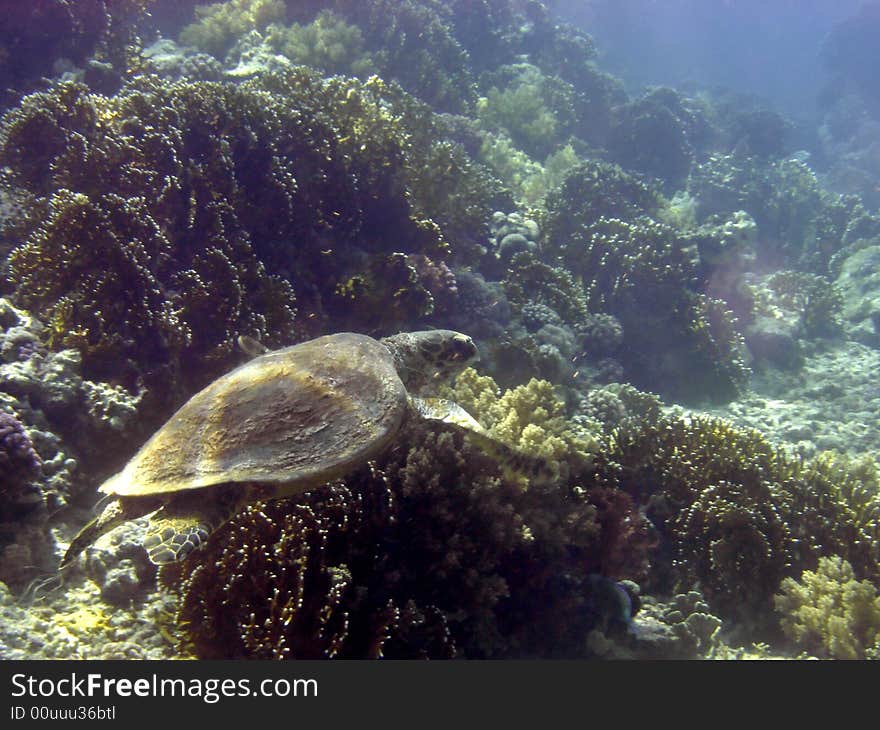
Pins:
x: 285, y: 422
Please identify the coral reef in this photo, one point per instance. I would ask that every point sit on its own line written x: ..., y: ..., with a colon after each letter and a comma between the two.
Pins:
x: 763, y: 132
x: 327, y: 43
x: 857, y: 281
x: 800, y: 224
x: 296, y: 168
x: 726, y: 244
x: 483, y: 310
x: 566, y: 51
x: 70, y: 430
x: 412, y: 43
x: 828, y: 613
x: 428, y: 553
x: 787, y: 310
x: 75, y: 623
x: 597, y: 226
x: 512, y: 234
x: 528, y: 180
x: 39, y: 37
x: 653, y: 134
x: 208, y: 265
x: 532, y: 109
x: 20, y: 465
x: 594, y: 190
x: 167, y: 59
x: 530, y: 417
x: 734, y: 513
x: 219, y: 25
x: 731, y: 536
x: 829, y: 403
x: 530, y: 281
x: 684, y: 627
x: 815, y: 303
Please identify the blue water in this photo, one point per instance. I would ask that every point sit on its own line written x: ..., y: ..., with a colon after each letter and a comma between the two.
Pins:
x: 770, y: 48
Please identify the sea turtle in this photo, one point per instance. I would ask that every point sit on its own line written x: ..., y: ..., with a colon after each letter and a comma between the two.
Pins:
x: 286, y: 421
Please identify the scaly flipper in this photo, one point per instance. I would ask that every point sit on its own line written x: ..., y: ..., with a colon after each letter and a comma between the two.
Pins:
x: 184, y: 525
x: 537, y: 469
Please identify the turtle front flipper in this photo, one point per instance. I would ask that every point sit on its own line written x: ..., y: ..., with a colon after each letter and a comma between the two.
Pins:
x: 184, y: 525
x: 172, y: 537
x: 537, y: 469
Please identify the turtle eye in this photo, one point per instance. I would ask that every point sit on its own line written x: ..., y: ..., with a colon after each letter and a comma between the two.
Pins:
x: 463, y: 348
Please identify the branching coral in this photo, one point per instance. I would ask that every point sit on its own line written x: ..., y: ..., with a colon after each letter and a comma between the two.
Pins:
x: 142, y: 231
x: 530, y: 417
x: 832, y: 506
x: 522, y: 175
x: 570, y: 53
x: 105, y: 293
x: 388, y: 293
x: 828, y: 613
x: 816, y: 301
x: 37, y: 34
x: 734, y: 513
x: 653, y: 135
x: 219, y: 25
x: 535, y: 111
x: 427, y: 553
x: 732, y: 537
x: 528, y: 180
x: 529, y: 281
x: 594, y: 190
x: 763, y: 132
x: 327, y: 43
x: 621, y: 262
x: 857, y: 484
x: 678, y: 341
x: 156, y: 243
x: 799, y: 223
x: 411, y: 42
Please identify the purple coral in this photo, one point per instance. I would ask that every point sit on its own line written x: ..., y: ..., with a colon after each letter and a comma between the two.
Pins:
x: 437, y: 278
x: 19, y: 463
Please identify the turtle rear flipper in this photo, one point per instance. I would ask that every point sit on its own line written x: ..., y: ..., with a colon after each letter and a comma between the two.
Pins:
x: 537, y: 469
x: 184, y: 525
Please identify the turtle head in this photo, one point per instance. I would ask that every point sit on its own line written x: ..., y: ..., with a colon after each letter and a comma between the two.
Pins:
x: 430, y: 357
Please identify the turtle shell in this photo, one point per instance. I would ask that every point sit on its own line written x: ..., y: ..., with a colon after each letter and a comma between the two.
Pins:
x: 296, y: 417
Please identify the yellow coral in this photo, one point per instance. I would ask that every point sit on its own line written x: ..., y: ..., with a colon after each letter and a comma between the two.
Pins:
x: 829, y: 613
x: 221, y: 24
x: 529, y: 180
x: 84, y: 621
x: 327, y: 43
x: 856, y: 483
x: 530, y: 417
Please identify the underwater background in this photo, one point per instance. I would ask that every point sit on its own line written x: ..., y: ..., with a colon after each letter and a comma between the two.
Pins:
x: 658, y: 221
